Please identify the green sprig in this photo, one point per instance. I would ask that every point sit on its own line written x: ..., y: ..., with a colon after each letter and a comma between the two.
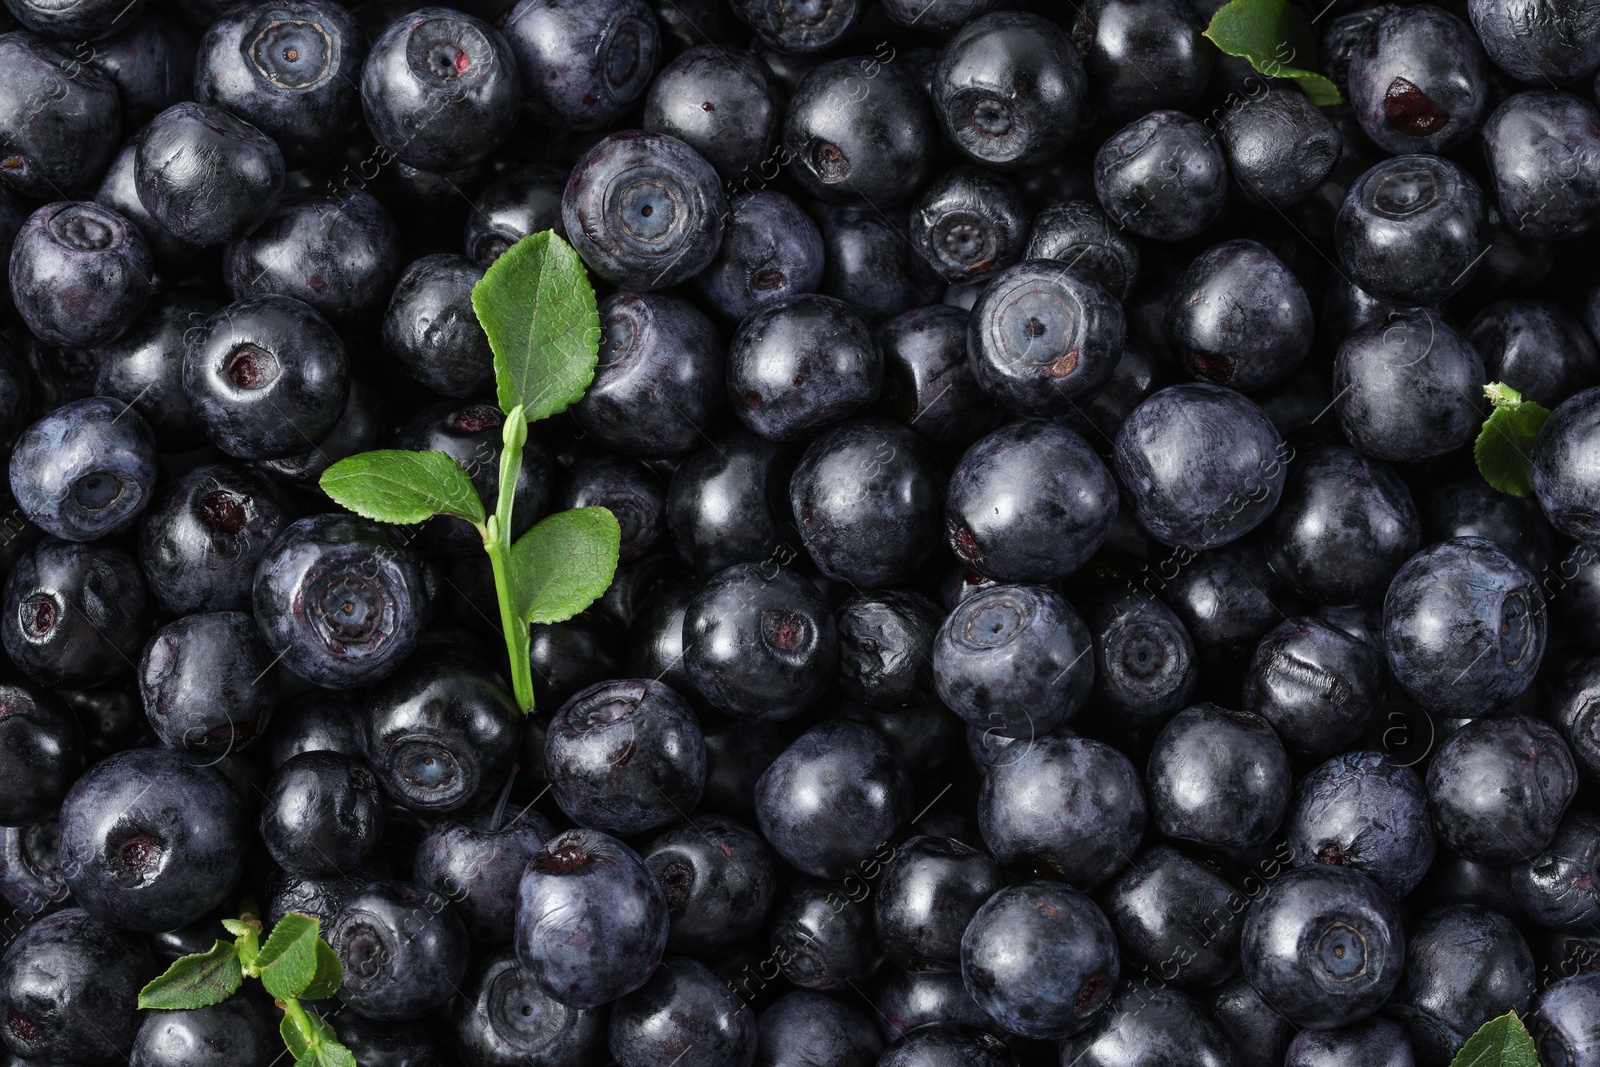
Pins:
x: 1500, y: 1042
x: 1504, y: 449
x: 293, y: 963
x: 1277, y: 41
x: 538, y: 310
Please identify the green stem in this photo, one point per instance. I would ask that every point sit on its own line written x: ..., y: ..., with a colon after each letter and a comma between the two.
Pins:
x: 498, y: 545
x: 302, y: 1024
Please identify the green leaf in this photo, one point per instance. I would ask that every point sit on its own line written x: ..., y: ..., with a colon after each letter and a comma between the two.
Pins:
x: 334, y: 1054
x: 1500, y: 1042
x: 1277, y: 41
x: 305, y: 1045
x: 328, y: 976
x: 196, y: 981
x: 537, y: 307
x: 392, y: 485
x: 563, y: 564
x: 238, y: 927
x: 1504, y: 449
x: 288, y: 961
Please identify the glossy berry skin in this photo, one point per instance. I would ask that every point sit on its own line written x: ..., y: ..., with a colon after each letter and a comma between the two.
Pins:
x: 1345, y: 524
x: 85, y: 470
x: 1563, y: 482
x: 440, y: 89
x: 644, y: 210
x: 290, y: 68
x: 1238, y: 317
x: 431, y: 331
x: 927, y: 894
x: 1043, y: 337
x: 477, y: 867
x: 1541, y: 148
x: 1145, y: 665
x: 403, y: 951
x: 947, y: 1045
x: 928, y: 383
x: 628, y: 489
x: 341, y: 600
x: 207, y: 684
x: 866, y: 500
x: 1063, y: 808
x: 1575, y: 711
x: 1324, y: 946
x: 1147, y: 1026
x: 80, y: 274
x: 1014, y: 660
x: 1556, y: 887
x: 63, y: 969
x: 521, y: 202
x: 1463, y: 627
x: 203, y: 535
x: 724, y: 502
x: 1201, y: 464
x: 1152, y: 905
x: 1411, y: 230
x: 1008, y: 89
x: 337, y: 254
x: 969, y: 223
x: 584, y: 64
x: 870, y: 265
x: 42, y: 753
x: 1365, y: 811
x: 1126, y: 39
x: 1078, y: 233
x: 205, y: 175
x: 1497, y: 788
x: 912, y: 999
x: 60, y: 118
x: 266, y: 377
x: 118, y: 190
x: 1259, y: 1033
x: 820, y: 937
x: 1376, y: 1041
x: 885, y: 648
x: 503, y: 1019
x: 1563, y: 1022
x: 792, y: 26
x: 625, y: 756
x: 724, y: 103
x: 591, y: 919
x: 1541, y: 45
x: 683, y: 1006
x: 832, y: 798
x: 1407, y: 389
x: 1041, y: 959
x: 1162, y: 177
x: 1218, y: 778
x: 473, y: 435
x: 442, y: 734
x: 143, y: 368
x: 1315, y: 685
x: 1534, y: 347
x: 1279, y: 147
x: 718, y: 878
x: 759, y: 642
x: 1419, y: 83
x: 83, y: 22
x: 800, y: 1024
x: 322, y: 814
x: 319, y: 721
x: 771, y: 249
x: 1464, y: 966
x: 659, y: 381
x: 854, y: 135
x: 74, y: 615
x: 800, y: 364
x: 152, y: 839
x: 234, y: 1033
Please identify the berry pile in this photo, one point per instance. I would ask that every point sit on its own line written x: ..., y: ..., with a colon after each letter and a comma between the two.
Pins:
x: 1068, y: 606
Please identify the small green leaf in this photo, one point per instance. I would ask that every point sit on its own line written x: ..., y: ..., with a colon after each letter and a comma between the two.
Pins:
x: 288, y: 961
x: 334, y: 1054
x: 563, y: 564
x: 1277, y: 41
x: 196, y: 981
x: 1500, y: 1042
x: 1504, y: 449
x: 238, y: 927
x: 328, y: 976
x: 392, y: 485
x: 293, y: 1040
x: 538, y: 309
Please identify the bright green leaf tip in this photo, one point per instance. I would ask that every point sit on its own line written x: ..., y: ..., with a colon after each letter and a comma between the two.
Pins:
x: 1277, y: 41
x: 1500, y: 1042
x: 1504, y: 448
